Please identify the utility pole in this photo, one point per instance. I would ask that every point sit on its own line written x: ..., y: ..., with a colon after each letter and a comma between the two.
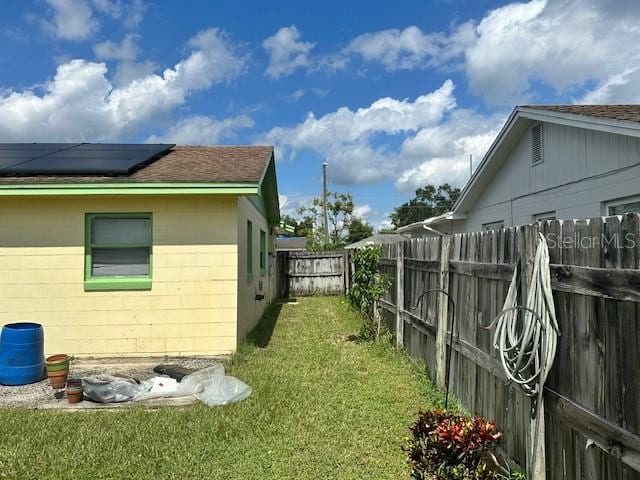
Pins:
x: 470, y: 165
x: 325, y: 194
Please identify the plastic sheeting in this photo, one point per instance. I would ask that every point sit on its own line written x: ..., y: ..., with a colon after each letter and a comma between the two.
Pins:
x: 218, y: 388
x: 110, y: 389
x: 209, y: 385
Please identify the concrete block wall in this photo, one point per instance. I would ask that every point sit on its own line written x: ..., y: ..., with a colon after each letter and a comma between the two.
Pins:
x: 190, y: 309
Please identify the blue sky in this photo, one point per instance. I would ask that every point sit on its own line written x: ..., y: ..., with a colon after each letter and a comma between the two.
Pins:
x: 394, y: 95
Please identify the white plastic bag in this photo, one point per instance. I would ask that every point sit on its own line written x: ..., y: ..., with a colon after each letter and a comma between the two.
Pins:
x: 217, y: 388
x: 209, y: 385
x: 165, y: 387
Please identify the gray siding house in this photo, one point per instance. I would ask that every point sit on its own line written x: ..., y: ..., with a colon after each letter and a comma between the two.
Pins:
x: 550, y: 162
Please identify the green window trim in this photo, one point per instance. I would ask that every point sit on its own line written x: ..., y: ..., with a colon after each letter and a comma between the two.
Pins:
x: 263, y: 253
x: 119, y: 282
x: 249, y: 251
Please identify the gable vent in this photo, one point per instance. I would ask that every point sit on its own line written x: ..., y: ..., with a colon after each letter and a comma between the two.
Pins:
x: 536, y: 144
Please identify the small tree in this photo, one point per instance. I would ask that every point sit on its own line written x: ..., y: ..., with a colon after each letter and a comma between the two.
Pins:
x: 358, y: 230
x: 301, y: 228
x: 340, y: 208
x: 368, y: 287
x: 429, y: 202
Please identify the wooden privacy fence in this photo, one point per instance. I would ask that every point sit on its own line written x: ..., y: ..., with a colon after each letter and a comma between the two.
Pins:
x: 316, y: 273
x: 592, y: 396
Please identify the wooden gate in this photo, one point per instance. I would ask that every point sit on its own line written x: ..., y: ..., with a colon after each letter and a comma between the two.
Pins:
x: 317, y: 273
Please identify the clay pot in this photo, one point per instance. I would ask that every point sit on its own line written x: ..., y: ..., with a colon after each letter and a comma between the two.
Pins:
x: 74, y: 382
x: 58, y: 379
x: 74, y: 392
x: 58, y: 362
x: 57, y: 369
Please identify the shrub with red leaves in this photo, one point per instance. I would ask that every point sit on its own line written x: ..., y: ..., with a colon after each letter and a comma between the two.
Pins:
x: 451, y: 446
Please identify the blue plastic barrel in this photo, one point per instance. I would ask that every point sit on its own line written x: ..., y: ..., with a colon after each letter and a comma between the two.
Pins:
x: 21, y: 353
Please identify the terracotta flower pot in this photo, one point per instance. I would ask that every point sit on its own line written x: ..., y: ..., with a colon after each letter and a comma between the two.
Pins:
x: 58, y: 379
x: 74, y: 382
x: 56, y: 363
x: 57, y: 369
x: 74, y: 393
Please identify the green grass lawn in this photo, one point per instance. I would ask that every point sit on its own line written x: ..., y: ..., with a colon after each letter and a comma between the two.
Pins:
x: 323, y: 406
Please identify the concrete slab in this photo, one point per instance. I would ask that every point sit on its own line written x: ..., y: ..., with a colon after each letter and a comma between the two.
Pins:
x: 86, y: 405
x: 40, y: 395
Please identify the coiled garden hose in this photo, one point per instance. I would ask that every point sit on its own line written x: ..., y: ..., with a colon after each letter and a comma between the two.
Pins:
x: 526, y: 337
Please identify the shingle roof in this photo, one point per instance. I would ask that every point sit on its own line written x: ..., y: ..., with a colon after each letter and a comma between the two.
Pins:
x: 629, y: 113
x: 192, y: 164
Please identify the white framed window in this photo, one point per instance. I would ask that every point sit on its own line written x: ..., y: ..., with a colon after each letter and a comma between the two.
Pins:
x: 493, y: 225
x: 541, y: 217
x: 622, y: 205
x: 537, y: 144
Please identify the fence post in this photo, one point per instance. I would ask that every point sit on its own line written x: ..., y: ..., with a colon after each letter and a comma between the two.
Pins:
x: 536, y: 461
x: 400, y: 294
x: 345, y: 271
x: 443, y: 313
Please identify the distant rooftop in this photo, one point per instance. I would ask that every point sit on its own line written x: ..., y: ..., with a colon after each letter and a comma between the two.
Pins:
x: 628, y: 113
x: 377, y: 239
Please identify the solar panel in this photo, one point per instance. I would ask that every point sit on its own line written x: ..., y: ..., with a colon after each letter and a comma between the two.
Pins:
x: 76, y: 159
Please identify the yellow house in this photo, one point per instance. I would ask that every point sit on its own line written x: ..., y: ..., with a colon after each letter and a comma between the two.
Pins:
x: 172, y: 255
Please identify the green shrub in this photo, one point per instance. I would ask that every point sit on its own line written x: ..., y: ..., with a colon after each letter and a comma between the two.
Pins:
x: 368, y: 286
x: 450, y: 446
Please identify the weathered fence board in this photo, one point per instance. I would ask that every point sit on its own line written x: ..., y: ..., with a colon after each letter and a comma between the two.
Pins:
x: 317, y: 273
x: 592, y: 423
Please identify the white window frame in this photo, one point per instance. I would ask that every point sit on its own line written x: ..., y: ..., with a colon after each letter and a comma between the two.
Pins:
x: 487, y: 227
x: 617, y: 202
x: 541, y: 217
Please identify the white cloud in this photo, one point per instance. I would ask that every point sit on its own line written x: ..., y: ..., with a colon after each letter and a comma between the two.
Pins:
x: 127, y: 72
x: 506, y: 54
x: 282, y: 200
x: 395, y: 49
x: 346, y: 138
x: 440, y: 153
x: 286, y: 52
x: 108, y: 7
x: 320, y: 92
x: 563, y: 44
x: 406, y: 49
x: 126, y: 50
x: 437, y: 139
x: 384, y: 224
x: 76, y: 19
x: 80, y: 103
x: 70, y: 20
x: 290, y: 203
x: 131, y: 12
x: 617, y: 88
x: 362, y: 211
x: 202, y: 130
x: 297, y: 95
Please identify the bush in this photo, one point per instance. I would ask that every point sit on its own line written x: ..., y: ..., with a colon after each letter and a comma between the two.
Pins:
x: 368, y: 286
x: 449, y: 446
